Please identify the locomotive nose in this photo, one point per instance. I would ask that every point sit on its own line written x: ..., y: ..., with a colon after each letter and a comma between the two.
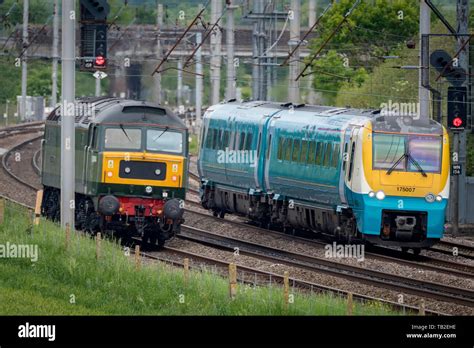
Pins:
x: 109, y: 205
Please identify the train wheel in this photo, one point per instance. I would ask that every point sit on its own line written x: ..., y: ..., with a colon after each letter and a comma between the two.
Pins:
x: 215, y: 213
x: 404, y: 249
x: 222, y: 214
x: 416, y: 251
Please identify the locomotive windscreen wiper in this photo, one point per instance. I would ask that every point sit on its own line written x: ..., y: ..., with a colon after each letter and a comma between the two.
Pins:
x: 125, y: 132
x: 417, y: 165
x: 164, y: 131
x: 411, y: 159
x: 390, y: 170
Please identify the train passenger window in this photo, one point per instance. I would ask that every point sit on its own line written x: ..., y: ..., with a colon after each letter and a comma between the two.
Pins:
x: 242, y: 140
x: 327, y: 155
x: 248, y: 141
x: 296, y: 150
x: 281, y: 142
x: 219, y: 140
x: 225, y: 140
x: 232, y: 140
x: 304, y: 151
x: 312, y: 152
x: 351, y: 163
x: 335, y: 155
x: 269, y: 146
x: 288, y: 145
x: 215, y: 139
x: 209, y: 135
x: 123, y: 138
x: 319, y: 153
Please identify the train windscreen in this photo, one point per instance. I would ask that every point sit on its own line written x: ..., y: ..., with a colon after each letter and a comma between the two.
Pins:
x: 164, y: 140
x: 412, y: 152
x: 122, y: 138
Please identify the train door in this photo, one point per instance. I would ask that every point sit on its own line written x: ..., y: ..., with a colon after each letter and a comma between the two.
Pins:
x: 350, y: 146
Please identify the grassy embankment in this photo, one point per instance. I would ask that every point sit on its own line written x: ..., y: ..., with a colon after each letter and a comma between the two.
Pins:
x: 74, y: 282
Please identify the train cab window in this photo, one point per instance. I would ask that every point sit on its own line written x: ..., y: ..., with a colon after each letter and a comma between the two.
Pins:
x: 312, y: 152
x: 296, y: 150
x: 327, y: 155
x: 164, y: 140
x: 304, y: 151
x: 281, y: 142
x: 123, y: 138
x: 288, y: 146
x: 248, y: 141
x: 242, y: 140
x: 319, y: 153
x: 335, y: 155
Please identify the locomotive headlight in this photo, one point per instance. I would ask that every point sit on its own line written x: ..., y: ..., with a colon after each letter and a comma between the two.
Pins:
x: 157, y: 172
x: 380, y: 195
x: 109, y: 174
x: 430, y: 198
x: 371, y: 194
x: 165, y: 194
x: 439, y: 198
x: 127, y: 170
x: 148, y: 189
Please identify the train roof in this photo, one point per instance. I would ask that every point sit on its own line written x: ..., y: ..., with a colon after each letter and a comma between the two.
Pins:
x: 327, y: 116
x: 117, y: 110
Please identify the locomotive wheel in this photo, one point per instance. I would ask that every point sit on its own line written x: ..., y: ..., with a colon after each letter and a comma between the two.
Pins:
x: 416, y: 251
x: 404, y: 249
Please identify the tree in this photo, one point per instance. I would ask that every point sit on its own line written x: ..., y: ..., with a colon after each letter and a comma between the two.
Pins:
x: 373, y: 30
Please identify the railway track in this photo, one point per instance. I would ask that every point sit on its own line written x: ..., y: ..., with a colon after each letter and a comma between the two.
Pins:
x: 371, y: 277
x: 383, y: 254
x: 7, y: 169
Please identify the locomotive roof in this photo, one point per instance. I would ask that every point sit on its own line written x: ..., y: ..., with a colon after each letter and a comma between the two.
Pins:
x: 332, y: 116
x: 117, y: 110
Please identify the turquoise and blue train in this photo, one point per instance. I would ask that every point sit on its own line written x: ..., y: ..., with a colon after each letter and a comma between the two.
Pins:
x: 351, y: 173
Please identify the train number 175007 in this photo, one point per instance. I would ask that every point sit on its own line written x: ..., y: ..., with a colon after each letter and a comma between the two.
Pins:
x: 405, y: 189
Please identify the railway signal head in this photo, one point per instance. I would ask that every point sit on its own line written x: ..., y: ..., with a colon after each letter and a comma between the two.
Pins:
x: 457, y: 113
x: 445, y: 65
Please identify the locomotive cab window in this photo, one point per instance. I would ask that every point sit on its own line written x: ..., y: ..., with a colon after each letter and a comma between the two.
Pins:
x: 164, y: 140
x: 120, y: 138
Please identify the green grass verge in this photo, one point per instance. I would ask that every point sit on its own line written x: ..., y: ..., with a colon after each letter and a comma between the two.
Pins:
x: 73, y: 282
